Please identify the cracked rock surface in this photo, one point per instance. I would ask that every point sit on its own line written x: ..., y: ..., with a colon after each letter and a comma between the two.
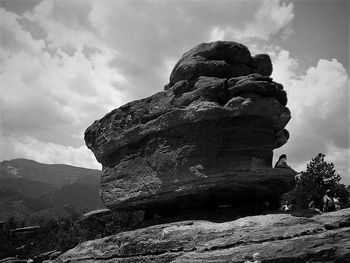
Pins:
x: 208, y: 137
x: 277, y: 237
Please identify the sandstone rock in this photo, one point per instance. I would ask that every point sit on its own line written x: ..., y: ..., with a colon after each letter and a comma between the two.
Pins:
x: 93, y: 215
x: 221, y: 59
x: 46, y: 255
x: 12, y: 260
x: 103, y: 222
x: 208, y: 137
x: 263, y: 64
x: 278, y: 238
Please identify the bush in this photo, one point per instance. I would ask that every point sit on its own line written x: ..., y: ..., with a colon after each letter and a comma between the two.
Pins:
x: 313, y: 183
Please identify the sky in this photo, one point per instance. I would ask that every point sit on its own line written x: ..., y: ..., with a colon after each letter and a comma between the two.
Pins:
x: 66, y: 63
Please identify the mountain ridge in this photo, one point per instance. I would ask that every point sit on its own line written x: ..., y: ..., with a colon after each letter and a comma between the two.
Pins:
x: 55, y: 174
x: 29, y: 189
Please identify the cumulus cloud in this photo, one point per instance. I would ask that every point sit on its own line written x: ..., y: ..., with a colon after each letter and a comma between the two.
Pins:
x: 31, y: 148
x: 166, y: 38
x: 319, y: 102
x: 14, y: 38
x: 52, y: 97
x: 66, y: 63
x: 270, y: 18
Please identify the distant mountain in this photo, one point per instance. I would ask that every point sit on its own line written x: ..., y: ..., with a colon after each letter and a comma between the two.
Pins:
x: 29, y: 189
x: 55, y: 174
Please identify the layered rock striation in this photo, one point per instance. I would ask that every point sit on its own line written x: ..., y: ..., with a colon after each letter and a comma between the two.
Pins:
x: 277, y: 237
x: 208, y: 138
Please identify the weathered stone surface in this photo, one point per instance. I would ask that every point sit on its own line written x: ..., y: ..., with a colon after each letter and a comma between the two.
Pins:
x: 104, y: 222
x: 263, y: 64
x: 195, y: 186
x: 221, y: 59
x: 92, y: 215
x: 203, y: 137
x: 46, y: 255
x: 12, y: 260
x: 278, y: 238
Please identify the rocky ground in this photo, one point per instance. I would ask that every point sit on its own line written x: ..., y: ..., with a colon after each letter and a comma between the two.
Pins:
x: 277, y: 237
x: 205, y: 141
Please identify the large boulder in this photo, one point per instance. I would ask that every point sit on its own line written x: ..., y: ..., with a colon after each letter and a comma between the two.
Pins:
x: 277, y: 237
x: 221, y: 59
x: 208, y: 137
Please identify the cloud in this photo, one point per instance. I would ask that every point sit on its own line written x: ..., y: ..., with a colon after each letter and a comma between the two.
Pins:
x: 167, y: 37
x: 51, y: 96
x: 66, y: 24
x: 66, y: 63
x: 319, y: 102
x: 14, y: 38
x: 31, y: 148
x: 271, y: 17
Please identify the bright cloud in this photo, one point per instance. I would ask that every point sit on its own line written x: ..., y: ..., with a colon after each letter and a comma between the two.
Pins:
x: 319, y: 102
x: 271, y: 17
x: 66, y: 63
x: 31, y: 148
x: 52, y: 97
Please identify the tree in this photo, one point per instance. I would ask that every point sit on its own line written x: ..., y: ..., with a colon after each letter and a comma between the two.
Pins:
x: 313, y: 183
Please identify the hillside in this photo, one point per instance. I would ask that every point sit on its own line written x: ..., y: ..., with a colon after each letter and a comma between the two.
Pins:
x: 55, y: 174
x: 31, y: 190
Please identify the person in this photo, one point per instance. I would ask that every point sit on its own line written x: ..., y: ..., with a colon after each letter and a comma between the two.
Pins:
x: 311, y: 205
x: 286, y: 206
x: 282, y: 163
x: 327, y: 202
x: 336, y: 202
x: 256, y: 258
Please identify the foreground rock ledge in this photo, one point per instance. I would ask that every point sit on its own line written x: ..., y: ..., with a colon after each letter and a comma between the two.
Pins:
x: 277, y: 237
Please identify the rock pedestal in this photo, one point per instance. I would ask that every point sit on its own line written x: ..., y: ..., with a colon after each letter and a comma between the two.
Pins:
x: 277, y: 238
x: 208, y: 138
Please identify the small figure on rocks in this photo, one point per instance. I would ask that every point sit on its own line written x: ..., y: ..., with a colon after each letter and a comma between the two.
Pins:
x: 256, y: 258
x: 327, y: 202
x: 311, y: 205
x: 287, y: 206
x: 336, y: 202
x: 282, y: 163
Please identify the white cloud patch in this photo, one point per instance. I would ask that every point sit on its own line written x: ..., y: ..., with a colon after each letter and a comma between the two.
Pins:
x: 272, y: 17
x: 319, y: 102
x: 66, y: 63
x: 151, y: 36
x: 93, y: 56
x: 14, y: 38
x: 66, y: 23
x: 31, y: 148
x: 48, y: 98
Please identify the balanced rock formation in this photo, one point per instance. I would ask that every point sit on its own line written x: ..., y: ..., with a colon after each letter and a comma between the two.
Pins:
x: 208, y: 138
x: 277, y: 237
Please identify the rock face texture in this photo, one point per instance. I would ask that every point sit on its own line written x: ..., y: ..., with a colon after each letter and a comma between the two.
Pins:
x: 207, y: 138
x: 278, y: 238
x: 219, y: 59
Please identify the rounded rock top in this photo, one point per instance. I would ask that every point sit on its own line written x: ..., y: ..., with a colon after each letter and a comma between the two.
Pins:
x: 222, y: 59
